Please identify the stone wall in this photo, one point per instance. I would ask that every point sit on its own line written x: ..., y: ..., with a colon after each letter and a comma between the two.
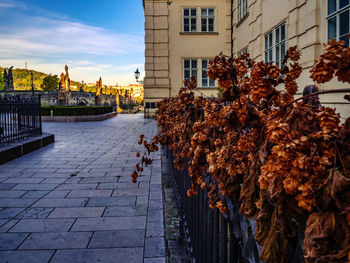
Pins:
x: 74, y: 98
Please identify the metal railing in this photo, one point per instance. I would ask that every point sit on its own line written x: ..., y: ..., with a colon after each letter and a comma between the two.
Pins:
x: 211, y: 237
x: 19, y: 118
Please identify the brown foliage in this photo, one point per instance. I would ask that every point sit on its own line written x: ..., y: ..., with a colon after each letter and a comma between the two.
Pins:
x: 281, y: 160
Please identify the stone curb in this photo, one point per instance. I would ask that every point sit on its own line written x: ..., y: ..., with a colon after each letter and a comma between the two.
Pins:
x: 82, y: 118
x: 15, y: 150
x: 175, y: 251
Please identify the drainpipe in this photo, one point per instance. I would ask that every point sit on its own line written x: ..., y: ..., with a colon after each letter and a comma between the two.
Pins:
x: 231, y: 28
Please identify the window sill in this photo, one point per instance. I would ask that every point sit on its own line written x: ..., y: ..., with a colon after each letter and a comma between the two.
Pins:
x: 199, y: 33
x: 242, y: 20
x: 206, y: 88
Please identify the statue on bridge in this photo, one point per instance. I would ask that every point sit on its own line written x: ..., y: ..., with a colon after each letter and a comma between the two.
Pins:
x: 64, y: 88
x: 99, y: 87
x: 8, y: 79
x: 65, y: 80
x: 98, y: 99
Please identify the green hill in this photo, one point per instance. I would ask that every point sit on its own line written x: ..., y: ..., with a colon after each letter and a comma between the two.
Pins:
x: 22, y: 79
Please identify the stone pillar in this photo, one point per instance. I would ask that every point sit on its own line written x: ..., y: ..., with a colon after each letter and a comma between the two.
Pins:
x: 157, y: 81
x: 98, y: 100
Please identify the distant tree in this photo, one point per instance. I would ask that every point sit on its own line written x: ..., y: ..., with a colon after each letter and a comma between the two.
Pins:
x: 50, y: 82
x: 2, y: 82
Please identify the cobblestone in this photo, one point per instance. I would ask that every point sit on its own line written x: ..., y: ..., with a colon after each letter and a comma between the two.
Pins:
x: 73, y: 201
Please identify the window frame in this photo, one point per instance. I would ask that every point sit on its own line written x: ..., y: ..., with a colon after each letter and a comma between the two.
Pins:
x: 189, y: 17
x: 209, y: 81
x: 207, y: 17
x: 242, y: 51
x: 280, y: 43
x: 276, y: 45
x: 336, y: 14
x: 199, y: 71
x: 242, y: 9
x: 191, y: 69
x: 269, y: 49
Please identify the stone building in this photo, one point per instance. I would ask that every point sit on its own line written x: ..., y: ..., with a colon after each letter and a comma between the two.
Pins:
x: 181, y: 36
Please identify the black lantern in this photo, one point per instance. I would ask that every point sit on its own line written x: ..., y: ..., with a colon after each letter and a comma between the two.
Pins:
x: 137, y: 74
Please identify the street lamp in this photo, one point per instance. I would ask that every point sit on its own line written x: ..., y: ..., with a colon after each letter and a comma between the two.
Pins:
x: 137, y: 75
x: 32, y: 76
x: 82, y: 85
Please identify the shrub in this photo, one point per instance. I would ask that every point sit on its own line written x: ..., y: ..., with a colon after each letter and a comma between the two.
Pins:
x: 127, y: 106
x: 283, y: 160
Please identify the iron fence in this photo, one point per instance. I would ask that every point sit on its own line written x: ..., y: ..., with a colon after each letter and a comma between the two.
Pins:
x: 19, y: 118
x: 211, y: 237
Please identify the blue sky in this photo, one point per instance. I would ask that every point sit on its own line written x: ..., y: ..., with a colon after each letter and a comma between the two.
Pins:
x: 93, y: 37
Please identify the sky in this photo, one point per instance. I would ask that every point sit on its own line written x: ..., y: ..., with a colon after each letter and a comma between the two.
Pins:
x: 93, y: 37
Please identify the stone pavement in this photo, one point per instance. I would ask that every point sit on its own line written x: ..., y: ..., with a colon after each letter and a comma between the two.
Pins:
x: 73, y: 201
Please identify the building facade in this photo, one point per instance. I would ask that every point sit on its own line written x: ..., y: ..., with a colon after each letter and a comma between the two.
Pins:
x: 181, y: 36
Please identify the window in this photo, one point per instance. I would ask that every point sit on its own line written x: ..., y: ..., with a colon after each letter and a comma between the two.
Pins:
x: 206, y: 81
x: 242, y: 9
x: 199, y: 71
x: 280, y: 48
x: 268, y: 47
x: 190, y: 20
x: 207, y: 19
x: 190, y: 68
x: 338, y: 12
x: 242, y: 51
x: 276, y: 52
x: 150, y: 105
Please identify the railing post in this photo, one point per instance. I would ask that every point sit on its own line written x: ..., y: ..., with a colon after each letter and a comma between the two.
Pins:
x: 39, y: 111
x: 20, y: 117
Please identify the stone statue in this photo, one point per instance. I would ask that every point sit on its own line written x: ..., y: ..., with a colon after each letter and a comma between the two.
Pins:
x: 65, y: 80
x: 99, y: 87
x: 10, y: 72
x: 8, y: 79
x: 63, y: 92
x: 62, y: 82
x: 98, y: 99
x: 66, y: 77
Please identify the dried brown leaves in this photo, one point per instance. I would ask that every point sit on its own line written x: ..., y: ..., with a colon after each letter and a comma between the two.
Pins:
x: 281, y: 160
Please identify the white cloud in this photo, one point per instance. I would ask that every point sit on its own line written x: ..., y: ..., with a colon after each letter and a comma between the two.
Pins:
x: 47, y: 44
x: 44, y: 36
x: 129, y: 67
x: 7, y: 5
x: 11, y: 4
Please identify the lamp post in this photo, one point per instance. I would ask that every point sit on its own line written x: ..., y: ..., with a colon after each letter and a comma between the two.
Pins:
x: 82, y: 85
x: 137, y: 75
x: 32, y: 77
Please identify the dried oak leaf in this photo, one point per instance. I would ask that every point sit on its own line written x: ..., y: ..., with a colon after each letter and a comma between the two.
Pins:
x: 275, y: 247
x: 327, y: 238
x: 340, y: 190
x: 275, y: 188
x: 249, y: 190
x: 343, y: 144
x: 263, y: 217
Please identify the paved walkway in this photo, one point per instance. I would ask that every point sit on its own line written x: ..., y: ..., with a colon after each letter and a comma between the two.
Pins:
x: 73, y: 201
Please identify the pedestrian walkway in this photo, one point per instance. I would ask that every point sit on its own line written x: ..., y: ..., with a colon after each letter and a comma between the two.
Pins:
x: 73, y: 201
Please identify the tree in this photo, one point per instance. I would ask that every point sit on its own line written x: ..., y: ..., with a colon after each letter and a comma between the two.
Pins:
x: 2, y: 82
x: 50, y: 82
